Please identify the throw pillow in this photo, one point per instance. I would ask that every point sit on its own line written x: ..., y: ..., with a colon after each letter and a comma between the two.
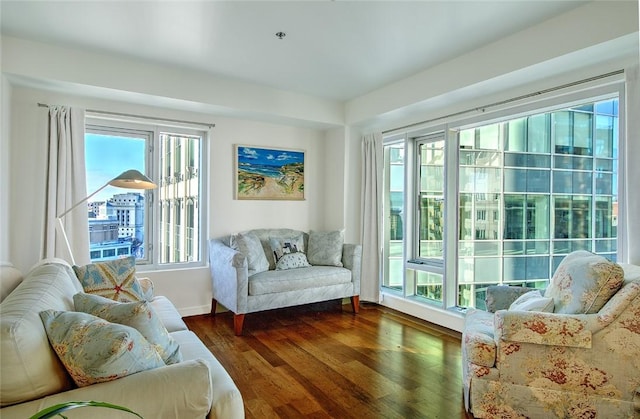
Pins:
x: 249, y: 245
x: 139, y: 315
x: 114, y: 279
x: 325, y: 248
x: 292, y: 261
x: 532, y: 301
x: 584, y: 282
x: 282, y: 246
x: 94, y: 350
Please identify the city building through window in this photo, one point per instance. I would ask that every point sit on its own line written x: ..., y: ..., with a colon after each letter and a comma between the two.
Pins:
x: 500, y: 202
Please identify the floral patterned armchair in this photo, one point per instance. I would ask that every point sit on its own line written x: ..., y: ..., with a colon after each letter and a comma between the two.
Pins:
x: 580, y: 361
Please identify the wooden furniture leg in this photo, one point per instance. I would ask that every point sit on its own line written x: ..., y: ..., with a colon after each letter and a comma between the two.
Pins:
x: 355, y: 304
x: 214, y: 304
x: 238, y: 322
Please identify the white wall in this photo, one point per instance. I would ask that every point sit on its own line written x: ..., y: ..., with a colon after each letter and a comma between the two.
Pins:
x: 190, y: 290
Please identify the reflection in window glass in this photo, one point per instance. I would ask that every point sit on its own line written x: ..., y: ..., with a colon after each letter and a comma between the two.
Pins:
x: 544, y: 211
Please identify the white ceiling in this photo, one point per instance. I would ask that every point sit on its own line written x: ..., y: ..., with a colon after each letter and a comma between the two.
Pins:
x: 332, y: 49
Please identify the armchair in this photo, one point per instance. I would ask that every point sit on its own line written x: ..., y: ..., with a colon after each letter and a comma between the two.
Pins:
x: 582, y: 360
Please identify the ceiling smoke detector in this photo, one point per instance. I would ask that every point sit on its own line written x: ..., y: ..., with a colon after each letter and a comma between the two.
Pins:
x: 280, y: 35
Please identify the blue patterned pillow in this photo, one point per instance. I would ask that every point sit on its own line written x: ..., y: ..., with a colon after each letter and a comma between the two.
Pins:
x: 292, y: 261
x: 114, y: 279
x: 94, y: 350
x: 139, y: 315
x: 325, y: 248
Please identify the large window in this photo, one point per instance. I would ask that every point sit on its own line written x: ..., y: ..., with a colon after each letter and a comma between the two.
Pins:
x: 160, y: 226
x: 522, y: 193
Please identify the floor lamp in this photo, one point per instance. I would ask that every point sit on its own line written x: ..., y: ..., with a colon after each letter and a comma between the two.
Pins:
x: 130, y: 179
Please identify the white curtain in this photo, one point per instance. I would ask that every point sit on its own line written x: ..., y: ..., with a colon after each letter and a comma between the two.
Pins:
x: 631, y: 223
x: 66, y: 185
x: 372, y: 166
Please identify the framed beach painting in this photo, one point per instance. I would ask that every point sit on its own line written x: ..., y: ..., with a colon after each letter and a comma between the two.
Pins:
x: 269, y: 173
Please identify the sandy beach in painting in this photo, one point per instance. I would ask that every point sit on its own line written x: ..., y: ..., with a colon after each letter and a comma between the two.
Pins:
x: 289, y: 185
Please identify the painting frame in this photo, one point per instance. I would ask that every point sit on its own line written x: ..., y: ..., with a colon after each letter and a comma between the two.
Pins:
x: 269, y: 173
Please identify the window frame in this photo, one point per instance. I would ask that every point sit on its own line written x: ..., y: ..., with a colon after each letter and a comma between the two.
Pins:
x: 101, y: 124
x: 452, y: 126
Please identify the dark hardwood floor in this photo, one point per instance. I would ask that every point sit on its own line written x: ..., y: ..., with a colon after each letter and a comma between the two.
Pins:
x: 321, y: 361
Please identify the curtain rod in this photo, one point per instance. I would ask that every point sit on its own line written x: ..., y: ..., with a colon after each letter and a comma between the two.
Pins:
x: 127, y: 115
x: 504, y: 102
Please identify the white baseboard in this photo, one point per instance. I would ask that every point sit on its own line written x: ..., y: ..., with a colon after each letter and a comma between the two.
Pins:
x: 194, y: 311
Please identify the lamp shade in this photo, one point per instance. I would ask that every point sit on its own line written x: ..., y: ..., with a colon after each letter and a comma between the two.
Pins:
x: 132, y: 179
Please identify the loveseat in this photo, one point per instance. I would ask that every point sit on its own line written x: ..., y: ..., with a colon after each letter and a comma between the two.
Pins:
x: 572, y: 351
x: 32, y: 376
x: 265, y: 269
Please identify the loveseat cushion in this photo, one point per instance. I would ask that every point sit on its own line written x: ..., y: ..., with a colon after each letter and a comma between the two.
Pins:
x: 140, y: 315
x: 478, y: 338
x: 30, y: 367
x: 583, y: 283
x: 94, y: 350
x: 297, y: 279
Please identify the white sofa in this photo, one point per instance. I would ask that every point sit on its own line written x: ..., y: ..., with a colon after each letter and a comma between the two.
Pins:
x: 32, y: 377
x: 242, y: 290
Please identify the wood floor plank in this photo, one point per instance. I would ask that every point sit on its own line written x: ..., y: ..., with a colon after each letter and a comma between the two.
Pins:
x: 322, y: 361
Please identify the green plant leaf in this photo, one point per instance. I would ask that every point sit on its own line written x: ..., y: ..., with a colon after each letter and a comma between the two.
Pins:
x: 57, y: 409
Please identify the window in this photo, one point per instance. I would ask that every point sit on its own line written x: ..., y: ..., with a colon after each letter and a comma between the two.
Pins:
x: 522, y: 192
x: 160, y: 226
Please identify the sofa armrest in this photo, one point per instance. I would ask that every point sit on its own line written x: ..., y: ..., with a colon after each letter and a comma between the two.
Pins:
x: 229, y: 275
x: 178, y: 390
x: 543, y: 328
x: 500, y: 297
x: 352, y: 260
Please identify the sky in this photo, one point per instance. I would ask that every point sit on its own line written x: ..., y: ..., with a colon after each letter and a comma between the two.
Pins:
x: 269, y: 156
x: 106, y: 157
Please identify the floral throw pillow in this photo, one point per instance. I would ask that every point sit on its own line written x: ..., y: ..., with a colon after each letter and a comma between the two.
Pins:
x: 94, y: 350
x: 584, y: 282
x: 114, y: 279
x: 325, y: 248
x: 139, y: 315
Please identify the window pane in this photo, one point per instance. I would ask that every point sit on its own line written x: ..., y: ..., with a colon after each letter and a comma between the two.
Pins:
x: 604, y: 136
x: 393, y: 206
x: 116, y: 215
x: 431, y: 206
x: 180, y: 186
x: 516, y: 135
x: 552, y: 195
x: 429, y: 285
x: 538, y: 133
